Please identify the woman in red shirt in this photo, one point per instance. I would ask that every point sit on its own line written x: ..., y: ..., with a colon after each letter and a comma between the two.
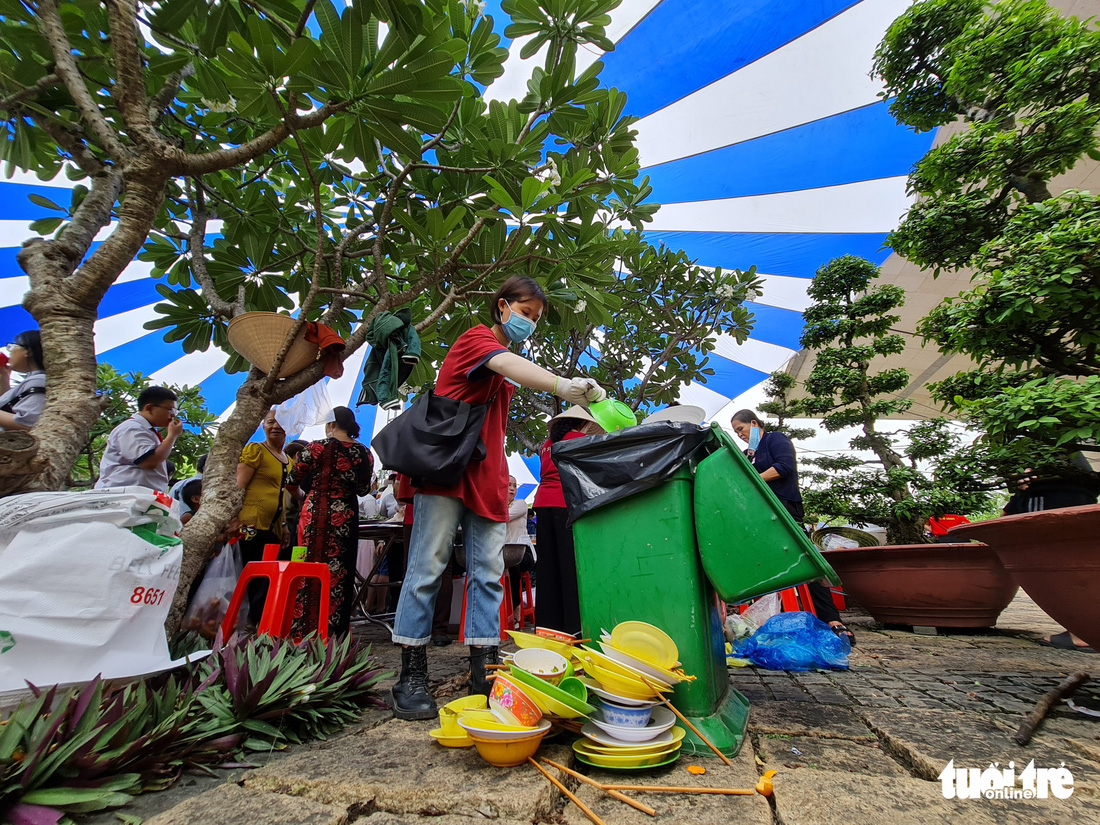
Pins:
x: 558, y: 604
x: 478, y: 369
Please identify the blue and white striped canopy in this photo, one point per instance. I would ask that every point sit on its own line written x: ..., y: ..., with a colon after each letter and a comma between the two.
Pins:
x: 764, y: 139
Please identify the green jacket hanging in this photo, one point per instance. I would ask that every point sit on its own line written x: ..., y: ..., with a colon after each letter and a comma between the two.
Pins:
x: 394, y: 352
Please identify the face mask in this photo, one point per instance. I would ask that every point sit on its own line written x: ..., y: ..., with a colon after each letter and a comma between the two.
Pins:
x: 517, y: 327
x: 754, y: 437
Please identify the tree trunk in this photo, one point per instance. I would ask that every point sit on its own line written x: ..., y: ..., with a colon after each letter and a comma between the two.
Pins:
x: 72, y: 405
x: 221, y: 497
x: 64, y: 298
x: 899, y: 532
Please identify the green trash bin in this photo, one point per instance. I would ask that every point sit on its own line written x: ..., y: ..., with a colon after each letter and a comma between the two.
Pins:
x: 712, y: 529
x: 637, y: 561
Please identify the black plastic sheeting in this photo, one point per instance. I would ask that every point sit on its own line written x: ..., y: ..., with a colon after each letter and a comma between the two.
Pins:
x: 599, y: 469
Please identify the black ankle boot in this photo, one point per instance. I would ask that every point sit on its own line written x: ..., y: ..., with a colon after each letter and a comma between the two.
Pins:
x: 479, y: 658
x: 411, y: 698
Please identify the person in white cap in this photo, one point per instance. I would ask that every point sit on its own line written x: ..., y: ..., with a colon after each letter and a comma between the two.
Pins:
x: 558, y: 603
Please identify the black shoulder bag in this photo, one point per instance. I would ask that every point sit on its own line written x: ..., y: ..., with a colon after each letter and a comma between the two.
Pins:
x: 433, y: 440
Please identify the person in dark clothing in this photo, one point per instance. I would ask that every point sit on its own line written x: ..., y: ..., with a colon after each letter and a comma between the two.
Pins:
x: 773, y: 455
x: 558, y: 603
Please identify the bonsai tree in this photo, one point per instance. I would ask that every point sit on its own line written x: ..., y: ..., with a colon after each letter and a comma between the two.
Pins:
x: 848, y: 326
x: 777, y: 390
x: 1023, y: 81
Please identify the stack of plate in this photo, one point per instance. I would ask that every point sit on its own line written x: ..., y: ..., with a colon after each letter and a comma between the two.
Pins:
x: 629, y: 670
x: 628, y: 748
x: 634, y: 662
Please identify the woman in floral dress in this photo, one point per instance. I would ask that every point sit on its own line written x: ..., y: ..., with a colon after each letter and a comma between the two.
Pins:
x: 334, y: 472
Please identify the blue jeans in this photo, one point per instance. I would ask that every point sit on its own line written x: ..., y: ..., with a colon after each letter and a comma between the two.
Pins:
x: 435, y: 519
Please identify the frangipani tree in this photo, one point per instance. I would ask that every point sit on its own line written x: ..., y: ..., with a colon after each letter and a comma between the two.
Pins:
x: 350, y: 160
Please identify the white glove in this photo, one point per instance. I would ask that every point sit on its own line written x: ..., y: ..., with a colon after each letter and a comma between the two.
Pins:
x: 572, y: 390
x: 595, y: 392
x: 580, y: 391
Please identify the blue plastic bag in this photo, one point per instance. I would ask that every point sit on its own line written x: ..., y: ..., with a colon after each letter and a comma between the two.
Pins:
x: 795, y: 641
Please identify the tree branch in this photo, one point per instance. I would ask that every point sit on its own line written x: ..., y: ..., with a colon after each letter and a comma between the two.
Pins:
x: 45, y: 82
x: 196, y: 242
x: 76, y: 237
x: 307, y: 11
x: 129, y: 91
x: 65, y: 66
x: 73, y: 144
x: 318, y: 259
x: 163, y: 99
x: 186, y: 163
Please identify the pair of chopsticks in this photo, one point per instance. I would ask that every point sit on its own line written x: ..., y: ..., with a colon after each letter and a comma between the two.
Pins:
x: 572, y: 797
x: 685, y: 720
x: 763, y: 787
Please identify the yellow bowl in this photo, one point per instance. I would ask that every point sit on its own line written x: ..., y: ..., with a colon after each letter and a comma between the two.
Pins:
x: 524, y: 640
x: 475, y: 702
x: 499, y: 726
x: 446, y: 741
x: 507, y: 753
x: 646, y: 642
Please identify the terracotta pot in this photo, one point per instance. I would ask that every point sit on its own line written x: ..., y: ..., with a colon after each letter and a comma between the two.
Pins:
x: 936, y: 585
x: 1054, y: 555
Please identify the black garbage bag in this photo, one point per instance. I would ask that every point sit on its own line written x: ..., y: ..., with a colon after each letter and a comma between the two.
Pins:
x: 600, y: 469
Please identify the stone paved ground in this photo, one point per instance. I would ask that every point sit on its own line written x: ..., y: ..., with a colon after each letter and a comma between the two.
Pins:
x: 859, y: 746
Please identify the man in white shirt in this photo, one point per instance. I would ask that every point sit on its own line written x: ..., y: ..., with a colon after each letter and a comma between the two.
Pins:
x: 136, y: 455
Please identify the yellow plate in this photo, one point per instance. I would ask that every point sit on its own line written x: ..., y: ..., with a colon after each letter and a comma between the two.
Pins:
x: 626, y: 760
x: 646, y: 642
x: 462, y: 741
x: 641, y: 747
x: 615, y: 682
x: 625, y: 670
x: 531, y: 640
x: 661, y: 674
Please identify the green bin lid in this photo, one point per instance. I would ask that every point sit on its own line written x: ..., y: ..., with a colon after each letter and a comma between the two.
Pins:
x: 748, y: 542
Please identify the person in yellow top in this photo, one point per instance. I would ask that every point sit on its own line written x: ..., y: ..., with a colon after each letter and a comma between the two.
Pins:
x: 262, y: 472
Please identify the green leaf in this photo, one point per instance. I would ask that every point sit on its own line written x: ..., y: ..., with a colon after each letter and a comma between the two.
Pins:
x: 45, y: 203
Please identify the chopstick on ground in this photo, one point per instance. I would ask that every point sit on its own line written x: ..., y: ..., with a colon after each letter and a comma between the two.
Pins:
x: 633, y: 803
x: 676, y: 789
x: 568, y: 793
x: 684, y: 719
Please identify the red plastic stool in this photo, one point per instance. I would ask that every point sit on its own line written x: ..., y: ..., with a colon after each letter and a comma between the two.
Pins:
x: 505, y: 608
x: 279, y: 606
x: 796, y: 598
x: 526, y: 600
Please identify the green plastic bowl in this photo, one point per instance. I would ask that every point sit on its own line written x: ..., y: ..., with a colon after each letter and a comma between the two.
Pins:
x: 612, y: 415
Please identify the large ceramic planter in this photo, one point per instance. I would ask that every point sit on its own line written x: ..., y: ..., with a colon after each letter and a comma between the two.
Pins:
x: 936, y: 585
x: 1054, y: 555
